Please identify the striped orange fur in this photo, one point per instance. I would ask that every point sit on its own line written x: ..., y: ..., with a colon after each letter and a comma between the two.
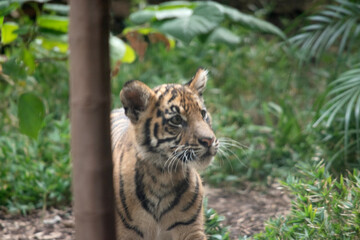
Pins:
x: 161, y: 138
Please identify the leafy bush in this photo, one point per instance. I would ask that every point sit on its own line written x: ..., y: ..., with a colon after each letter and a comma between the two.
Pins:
x: 323, y: 207
x: 213, y: 226
x: 27, y: 41
x: 36, y: 174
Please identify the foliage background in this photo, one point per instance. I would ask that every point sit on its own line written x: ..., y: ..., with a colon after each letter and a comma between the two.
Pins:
x: 292, y: 106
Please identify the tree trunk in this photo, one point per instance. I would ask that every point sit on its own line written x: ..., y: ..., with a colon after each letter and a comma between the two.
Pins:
x: 90, y: 125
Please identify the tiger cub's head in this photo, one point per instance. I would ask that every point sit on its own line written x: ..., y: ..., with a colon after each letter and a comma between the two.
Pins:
x: 170, y: 122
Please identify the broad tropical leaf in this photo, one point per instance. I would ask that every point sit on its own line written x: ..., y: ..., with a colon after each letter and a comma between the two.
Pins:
x: 31, y: 113
x: 246, y: 20
x: 203, y: 19
x: 8, y: 33
x: 58, y: 43
x: 120, y: 51
x: 186, y: 20
x: 58, y: 8
x: 222, y: 35
x: 53, y: 22
x: 6, y: 6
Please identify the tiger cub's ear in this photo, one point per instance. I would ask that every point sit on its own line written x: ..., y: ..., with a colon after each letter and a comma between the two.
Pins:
x: 198, y: 82
x: 135, y: 97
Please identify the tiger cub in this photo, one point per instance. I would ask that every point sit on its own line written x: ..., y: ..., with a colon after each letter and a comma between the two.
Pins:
x: 161, y: 137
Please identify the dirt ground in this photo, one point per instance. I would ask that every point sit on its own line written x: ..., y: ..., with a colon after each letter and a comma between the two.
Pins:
x: 246, y: 210
x: 245, y: 213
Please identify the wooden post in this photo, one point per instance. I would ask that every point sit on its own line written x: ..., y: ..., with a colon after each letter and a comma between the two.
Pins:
x: 90, y: 125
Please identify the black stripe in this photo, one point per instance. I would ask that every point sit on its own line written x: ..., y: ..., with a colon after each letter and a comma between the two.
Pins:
x: 193, y: 200
x: 128, y: 226
x: 167, y: 89
x: 153, y: 178
x: 199, y: 88
x: 122, y: 193
x: 156, y: 130
x: 190, y: 221
x: 174, y: 95
x: 147, y: 139
x: 140, y: 191
x: 180, y: 189
x: 164, y: 140
x: 164, y: 120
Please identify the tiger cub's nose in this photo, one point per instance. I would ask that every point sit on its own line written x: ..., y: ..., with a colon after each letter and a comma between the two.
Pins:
x: 206, y: 141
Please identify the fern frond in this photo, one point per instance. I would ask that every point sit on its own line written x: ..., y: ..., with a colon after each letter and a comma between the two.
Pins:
x: 344, y: 99
x: 337, y: 24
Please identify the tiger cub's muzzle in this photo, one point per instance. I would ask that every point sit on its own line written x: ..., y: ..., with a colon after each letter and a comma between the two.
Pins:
x: 211, y: 145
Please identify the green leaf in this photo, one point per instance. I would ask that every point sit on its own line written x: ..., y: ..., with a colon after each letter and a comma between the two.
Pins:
x: 14, y: 68
x: 24, y: 1
x: 7, y: 7
x: 29, y: 61
x: 252, y: 22
x: 59, y: 44
x: 31, y: 113
x: 216, y: 236
x: 129, y: 55
x: 222, y: 35
x: 175, y: 5
x: 166, y: 10
x: 1, y: 21
x: 173, y: 13
x: 7, y: 32
x: 337, y: 24
x: 142, y: 16
x: 56, y: 23
x: 117, y: 49
x: 58, y: 8
x: 141, y: 30
x: 204, y: 19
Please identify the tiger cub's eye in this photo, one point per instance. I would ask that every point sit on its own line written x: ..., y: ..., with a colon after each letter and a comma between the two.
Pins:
x: 176, y: 120
x: 203, y: 113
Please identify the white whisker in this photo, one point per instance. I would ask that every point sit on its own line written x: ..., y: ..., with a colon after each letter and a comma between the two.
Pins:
x: 225, y: 149
x: 231, y: 142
